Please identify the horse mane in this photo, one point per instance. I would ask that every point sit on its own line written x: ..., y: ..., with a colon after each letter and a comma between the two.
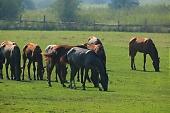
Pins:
x: 152, y: 48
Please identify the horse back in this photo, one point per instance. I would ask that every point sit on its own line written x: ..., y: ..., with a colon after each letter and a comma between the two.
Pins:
x: 144, y: 45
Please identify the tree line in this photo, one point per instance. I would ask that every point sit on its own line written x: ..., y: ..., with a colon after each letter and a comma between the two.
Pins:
x: 66, y: 9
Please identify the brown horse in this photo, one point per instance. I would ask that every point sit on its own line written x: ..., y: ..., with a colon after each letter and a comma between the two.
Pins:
x: 11, y: 53
x: 32, y: 52
x: 52, y: 56
x: 145, y: 46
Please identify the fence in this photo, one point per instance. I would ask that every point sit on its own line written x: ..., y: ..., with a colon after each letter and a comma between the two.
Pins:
x: 24, y: 24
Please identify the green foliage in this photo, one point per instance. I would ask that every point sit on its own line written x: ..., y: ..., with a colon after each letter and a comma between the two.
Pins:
x: 28, y: 4
x: 10, y: 8
x: 119, y: 4
x: 129, y: 91
x: 67, y: 9
x: 153, y: 14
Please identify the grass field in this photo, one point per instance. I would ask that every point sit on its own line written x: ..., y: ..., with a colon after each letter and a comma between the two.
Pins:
x: 129, y: 91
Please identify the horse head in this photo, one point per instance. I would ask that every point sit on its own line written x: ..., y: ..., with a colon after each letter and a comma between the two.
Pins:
x: 104, y: 82
x: 156, y: 64
x: 40, y: 67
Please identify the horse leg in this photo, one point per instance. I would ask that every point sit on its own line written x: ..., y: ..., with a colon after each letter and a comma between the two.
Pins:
x: 133, y: 67
x: 34, y: 69
x: 85, y: 77
x: 24, y: 62
x: 73, y: 73
x: 38, y: 72
x: 29, y: 65
x: 12, y: 68
x: 61, y: 74
x: 95, y: 77
x: 144, y: 55
x: 49, y: 69
x: 82, y: 74
x: 6, y: 65
x: 78, y: 75
x: 56, y: 72
x: 1, y: 68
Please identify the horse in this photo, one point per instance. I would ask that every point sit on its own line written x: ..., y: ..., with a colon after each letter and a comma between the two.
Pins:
x: 32, y: 52
x: 79, y: 57
x: 95, y: 44
x: 11, y: 53
x: 145, y: 46
x: 53, y: 54
x: 52, y: 58
x: 2, y: 61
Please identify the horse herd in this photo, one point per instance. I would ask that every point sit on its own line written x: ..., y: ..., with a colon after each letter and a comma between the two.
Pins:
x: 81, y: 58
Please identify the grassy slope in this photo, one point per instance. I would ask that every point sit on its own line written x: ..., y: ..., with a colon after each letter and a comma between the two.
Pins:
x: 129, y: 91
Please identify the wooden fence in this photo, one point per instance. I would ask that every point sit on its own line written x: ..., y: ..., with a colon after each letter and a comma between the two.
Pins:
x: 25, y: 24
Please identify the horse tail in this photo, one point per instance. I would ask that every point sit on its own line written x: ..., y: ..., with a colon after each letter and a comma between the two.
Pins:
x: 25, y: 47
x: 131, y: 44
x: 16, y: 58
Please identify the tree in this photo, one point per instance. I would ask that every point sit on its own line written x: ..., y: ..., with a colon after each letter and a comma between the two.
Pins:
x: 28, y: 4
x: 119, y: 4
x: 67, y: 9
x: 10, y: 8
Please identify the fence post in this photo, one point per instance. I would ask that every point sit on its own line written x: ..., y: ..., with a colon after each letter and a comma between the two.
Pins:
x: 44, y: 22
x: 118, y: 25
x: 145, y: 26
x: 94, y: 26
x: 20, y: 21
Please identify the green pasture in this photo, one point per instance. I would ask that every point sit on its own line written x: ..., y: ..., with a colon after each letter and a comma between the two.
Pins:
x: 129, y: 91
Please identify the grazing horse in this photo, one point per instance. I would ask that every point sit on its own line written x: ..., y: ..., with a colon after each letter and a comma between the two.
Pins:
x: 11, y: 52
x: 32, y: 52
x: 145, y: 46
x: 52, y: 57
x: 80, y: 57
x: 96, y: 45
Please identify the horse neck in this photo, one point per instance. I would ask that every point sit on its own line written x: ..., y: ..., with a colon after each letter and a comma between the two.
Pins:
x: 40, y: 61
x: 153, y: 53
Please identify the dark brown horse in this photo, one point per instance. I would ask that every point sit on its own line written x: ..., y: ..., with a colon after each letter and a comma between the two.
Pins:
x: 79, y: 57
x: 2, y: 61
x: 11, y: 53
x: 52, y: 56
x: 145, y: 46
x: 96, y: 45
x: 32, y: 52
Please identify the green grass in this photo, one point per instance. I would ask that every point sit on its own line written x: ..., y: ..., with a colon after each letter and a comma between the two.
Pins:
x: 129, y: 91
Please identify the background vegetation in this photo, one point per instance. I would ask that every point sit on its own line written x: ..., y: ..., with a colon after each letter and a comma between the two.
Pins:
x: 129, y: 91
x: 146, y: 11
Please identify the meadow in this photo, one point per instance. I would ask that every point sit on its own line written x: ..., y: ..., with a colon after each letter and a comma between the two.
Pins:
x: 129, y: 91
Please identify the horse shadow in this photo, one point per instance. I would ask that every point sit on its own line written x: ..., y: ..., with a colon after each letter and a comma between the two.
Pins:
x: 79, y: 88
x: 146, y: 71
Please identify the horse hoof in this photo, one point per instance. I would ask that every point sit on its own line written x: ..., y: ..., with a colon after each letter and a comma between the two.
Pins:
x: 29, y: 79
x: 100, y: 89
x: 8, y: 78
